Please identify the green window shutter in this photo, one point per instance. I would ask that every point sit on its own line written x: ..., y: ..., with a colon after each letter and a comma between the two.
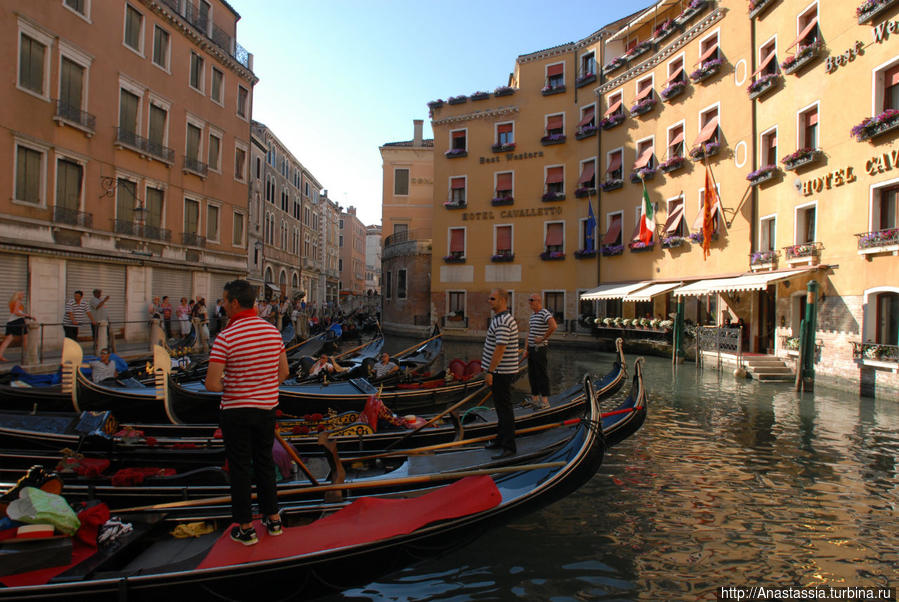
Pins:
x: 157, y: 125
x: 126, y: 199
x: 128, y: 111
x: 68, y: 184
x: 193, y: 142
x: 154, y: 207
x: 70, y: 89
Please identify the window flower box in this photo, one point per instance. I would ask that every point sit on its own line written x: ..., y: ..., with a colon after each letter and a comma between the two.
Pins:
x: 503, y: 148
x: 480, y: 96
x: 501, y: 200
x: 638, y: 246
x: 504, y: 91
x: 454, y: 205
x: 552, y: 255
x: 673, y: 91
x: 552, y: 139
x: 614, y: 65
x: 706, y: 70
x: 550, y: 90
x: 457, y: 100
x: 663, y: 30
x: 587, y: 78
x: 804, y: 56
x: 876, y: 352
x: 503, y: 257
x: 585, y: 132
x: 691, y: 11
x: 800, y: 158
x: 701, y: 151
x: 763, y: 85
x: 454, y: 259
x: 870, y: 9
x: 763, y: 174
x: 584, y: 253
x: 611, y: 121
x: 583, y: 192
x: 802, y: 250
x: 644, y: 106
x: 611, y: 250
x: 791, y: 343
x: 455, y: 153
x: 764, y: 259
x: 611, y: 184
x: 879, y: 239
x: 756, y: 7
x: 551, y: 197
x: 670, y: 242
x: 644, y: 173
x: 673, y: 164
x: 871, y: 127
x: 435, y: 104
x: 641, y: 48
x: 697, y: 237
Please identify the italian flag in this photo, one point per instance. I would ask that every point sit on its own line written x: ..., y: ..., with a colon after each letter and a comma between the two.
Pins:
x: 647, y: 219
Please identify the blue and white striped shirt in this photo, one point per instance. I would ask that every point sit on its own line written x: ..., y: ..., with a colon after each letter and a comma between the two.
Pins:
x: 503, y: 330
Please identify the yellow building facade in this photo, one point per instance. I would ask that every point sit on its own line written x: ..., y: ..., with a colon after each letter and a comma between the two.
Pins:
x: 758, y: 100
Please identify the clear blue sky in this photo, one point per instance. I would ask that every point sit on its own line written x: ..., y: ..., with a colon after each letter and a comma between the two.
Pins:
x: 338, y: 79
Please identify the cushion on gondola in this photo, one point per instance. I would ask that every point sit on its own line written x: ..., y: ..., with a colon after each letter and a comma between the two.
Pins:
x: 428, y: 384
x: 457, y: 367
x: 365, y: 520
x: 473, y: 367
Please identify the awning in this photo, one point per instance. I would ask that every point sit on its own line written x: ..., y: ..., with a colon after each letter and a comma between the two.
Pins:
x: 612, y: 291
x: 643, y: 159
x: 674, y: 77
x: 273, y: 286
x: 709, y: 52
x: 587, y: 174
x: 764, y: 64
x: 700, y: 219
x: 554, y: 69
x: 674, y: 219
x: 612, y: 109
x: 706, y: 132
x: 554, y: 122
x: 554, y: 235
x: 643, y: 93
x: 457, y: 183
x: 653, y: 290
x: 504, y: 181
x: 555, y: 175
x: 747, y: 282
x: 804, y: 32
x: 614, y: 231
x: 644, y: 17
x: 615, y: 163
x: 589, y: 114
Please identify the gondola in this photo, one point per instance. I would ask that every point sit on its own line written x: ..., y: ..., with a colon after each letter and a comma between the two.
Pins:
x: 366, y: 538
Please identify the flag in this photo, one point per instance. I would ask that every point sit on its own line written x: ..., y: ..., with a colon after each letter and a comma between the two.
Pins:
x: 647, y: 219
x: 589, y: 244
x: 710, y: 200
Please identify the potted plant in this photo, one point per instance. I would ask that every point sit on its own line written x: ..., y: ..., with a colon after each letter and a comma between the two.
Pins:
x: 457, y: 100
x: 504, y: 91
x: 803, y: 56
x: 454, y: 205
x: 762, y: 85
x: 435, y: 104
x: 501, y: 200
x: 871, y: 127
x: 480, y: 95
x: 638, y: 246
x: 585, y: 132
x: 584, y: 253
x: 611, y: 121
x: 454, y: 259
x: 670, y: 242
x: 654, y: 323
x: 803, y: 156
x: 672, y: 164
x: 586, y: 78
x: 549, y: 90
x: 610, y: 184
x: 551, y: 139
x: 503, y: 148
x: 666, y: 324
x: 701, y: 151
x: 663, y: 30
x: 643, y: 173
x: 625, y: 322
x: 880, y: 238
x: 454, y: 153
x: 584, y: 191
x: 765, y: 257
x: 757, y: 6
x: 552, y: 255
x: 503, y: 257
x: 611, y: 250
x: 673, y: 90
x: 644, y: 106
x: 706, y: 70
x: 614, y: 65
x: 691, y: 11
x: 871, y: 8
x: 762, y: 174
x: 637, y: 50
x: 549, y: 197
x: 697, y: 237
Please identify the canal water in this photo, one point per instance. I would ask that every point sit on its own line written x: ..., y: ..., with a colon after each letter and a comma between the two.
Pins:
x: 729, y: 482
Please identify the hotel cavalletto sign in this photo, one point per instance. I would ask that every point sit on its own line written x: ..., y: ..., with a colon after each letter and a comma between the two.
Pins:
x: 880, y: 32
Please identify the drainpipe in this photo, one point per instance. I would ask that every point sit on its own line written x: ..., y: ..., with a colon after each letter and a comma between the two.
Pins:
x: 754, y: 201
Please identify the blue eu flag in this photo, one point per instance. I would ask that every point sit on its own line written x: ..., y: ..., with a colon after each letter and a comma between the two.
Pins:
x: 591, y: 229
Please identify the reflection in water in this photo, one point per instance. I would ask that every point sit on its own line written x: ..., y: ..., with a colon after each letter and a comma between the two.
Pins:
x: 728, y: 483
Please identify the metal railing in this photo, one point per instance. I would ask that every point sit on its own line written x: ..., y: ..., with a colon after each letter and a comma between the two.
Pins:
x: 764, y: 257
x: 192, y: 239
x: 801, y: 250
x: 875, y: 351
x: 129, y: 138
x: 407, y: 235
x: 75, y: 115
x: 194, y: 16
x: 160, y: 151
x: 196, y: 166
x: 878, y: 238
x: 73, y: 217
x: 130, y: 228
x: 718, y: 340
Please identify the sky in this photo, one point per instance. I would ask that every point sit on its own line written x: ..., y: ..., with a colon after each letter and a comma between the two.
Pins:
x: 338, y: 79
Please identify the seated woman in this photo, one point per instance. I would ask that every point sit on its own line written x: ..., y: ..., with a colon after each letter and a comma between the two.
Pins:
x: 325, y: 365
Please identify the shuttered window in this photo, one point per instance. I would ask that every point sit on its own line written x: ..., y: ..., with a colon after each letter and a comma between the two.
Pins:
x: 68, y: 184
x: 212, y: 222
x: 71, y: 83
x: 237, y: 231
x: 126, y: 199
x: 503, y: 239
x: 28, y: 174
x: 155, y: 200
x: 196, y: 71
x: 193, y: 141
x: 215, y: 144
x: 161, y: 47
x: 158, y: 117
x: 133, y: 25
x: 128, y: 104
x: 191, y: 216
x: 400, y: 182
x: 31, y: 64
x: 217, y: 77
x: 240, y: 157
x: 457, y: 241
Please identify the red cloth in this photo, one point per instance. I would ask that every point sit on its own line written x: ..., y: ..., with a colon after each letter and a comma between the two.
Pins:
x: 91, y: 520
x: 136, y: 476
x: 365, y: 520
x: 369, y: 414
x: 80, y: 552
x: 84, y: 467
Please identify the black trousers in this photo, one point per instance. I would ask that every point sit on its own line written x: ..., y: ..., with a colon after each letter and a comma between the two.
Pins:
x: 538, y: 370
x: 502, y: 401
x: 71, y: 332
x: 249, y: 435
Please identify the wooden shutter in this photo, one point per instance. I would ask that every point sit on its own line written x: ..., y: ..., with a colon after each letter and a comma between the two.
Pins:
x: 68, y: 184
x: 157, y: 125
x: 128, y: 111
x: 457, y: 240
x: 504, y: 181
x: 193, y: 141
x: 457, y: 183
x: 554, y: 70
x: 155, y: 198
x: 191, y: 216
x: 126, y: 199
x: 554, y: 175
x: 553, y: 235
x: 28, y: 175
x: 214, y: 148
x: 504, y: 128
x: 70, y: 86
x: 504, y: 238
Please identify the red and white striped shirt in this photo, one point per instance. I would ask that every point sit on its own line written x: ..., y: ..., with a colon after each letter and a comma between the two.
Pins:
x: 250, y: 348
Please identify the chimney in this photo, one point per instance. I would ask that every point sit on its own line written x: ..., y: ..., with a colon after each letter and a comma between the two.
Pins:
x: 416, y: 140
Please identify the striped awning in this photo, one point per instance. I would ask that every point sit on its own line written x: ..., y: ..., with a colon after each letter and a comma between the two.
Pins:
x: 612, y: 291
x: 746, y: 282
x: 651, y: 291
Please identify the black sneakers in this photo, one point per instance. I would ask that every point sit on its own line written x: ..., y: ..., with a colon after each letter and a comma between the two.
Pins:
x: 245, y: 536
x: 273, y: 526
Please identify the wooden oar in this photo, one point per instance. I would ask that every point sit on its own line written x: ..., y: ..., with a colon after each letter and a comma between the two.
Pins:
x: 294, y: 456
x: 438, y: 417
x: 292, y: 347
x: 427, y: 449
x: 337, y: 357
x: 431, y: 478
x: 416, y: 345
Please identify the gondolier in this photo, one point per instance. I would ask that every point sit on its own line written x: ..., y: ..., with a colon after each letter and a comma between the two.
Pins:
x: 540, y: 327
x: 500, y: 361
x: 247, y: 363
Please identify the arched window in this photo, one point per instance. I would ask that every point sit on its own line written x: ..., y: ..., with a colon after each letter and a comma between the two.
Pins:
x: 282, y: 278
x: 269, y: 276
x: 294, y: 281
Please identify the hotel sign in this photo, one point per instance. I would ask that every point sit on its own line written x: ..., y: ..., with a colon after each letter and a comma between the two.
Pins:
x: 837, y: 177
x: 881, y: 33
x: 512, y: 157
x: 511, y: 213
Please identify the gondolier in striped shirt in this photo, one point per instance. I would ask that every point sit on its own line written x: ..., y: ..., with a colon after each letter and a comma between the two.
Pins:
x: 500, y: 361
x: 247, y: 363
x: 540, y: 327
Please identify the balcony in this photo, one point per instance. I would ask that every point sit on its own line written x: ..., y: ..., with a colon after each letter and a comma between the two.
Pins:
x: 406, y: 235
x: 876, y: 355
x: 195, y: 166
x: 801, y: 158
x: 72, y: 217
x: 764, y: 260
x: 871, y: 8
x: 130, y: 228
x: 192, y: 239
x: 756, y: 7
x: 127, y: 138
x: 74, y: 116
x: 803, y: 57
x: 806, y: 252
x: 879, y: 241
x: 200, y: 21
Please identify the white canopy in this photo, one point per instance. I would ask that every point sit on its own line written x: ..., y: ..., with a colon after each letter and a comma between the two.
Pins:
x: 653, y: 290
x: 612, y: 291
x: 746, y: 282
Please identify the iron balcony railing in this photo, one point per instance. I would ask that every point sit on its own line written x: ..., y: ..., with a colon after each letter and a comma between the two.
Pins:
x: 161, y: 152
x: 75, y: 115
x: 129, y: 138
x: 192, y: 239
x: 195, y: 166
x: 407, y: 235
x: 198, y: 20
x: 801, y: 250
x: 878, y: 238
x: 72, y: 217
x: 157, y: 233
x: 130, y: 228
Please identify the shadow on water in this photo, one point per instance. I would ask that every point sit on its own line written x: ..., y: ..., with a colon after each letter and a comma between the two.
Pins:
x: 730, y: 482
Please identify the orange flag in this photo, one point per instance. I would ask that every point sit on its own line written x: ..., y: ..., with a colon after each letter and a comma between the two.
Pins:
x: 710, y: 201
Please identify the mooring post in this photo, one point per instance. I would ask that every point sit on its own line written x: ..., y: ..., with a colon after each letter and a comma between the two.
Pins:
x: 808, y: 353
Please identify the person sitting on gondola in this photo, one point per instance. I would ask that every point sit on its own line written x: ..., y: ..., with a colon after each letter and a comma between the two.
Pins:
x: 385, y: 367
x: 325, y: 365
x: 103, y: 368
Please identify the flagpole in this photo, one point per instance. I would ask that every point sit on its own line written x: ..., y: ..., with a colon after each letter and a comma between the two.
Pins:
x: 715, y: 184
